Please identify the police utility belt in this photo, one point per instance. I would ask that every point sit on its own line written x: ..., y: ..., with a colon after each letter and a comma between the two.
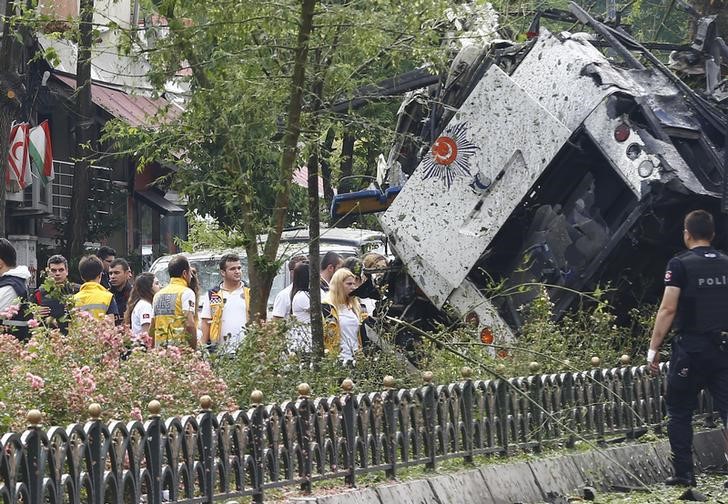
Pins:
x: 720, y: 338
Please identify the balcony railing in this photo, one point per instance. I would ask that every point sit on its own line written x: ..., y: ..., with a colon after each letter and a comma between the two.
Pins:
x: 206, y: 456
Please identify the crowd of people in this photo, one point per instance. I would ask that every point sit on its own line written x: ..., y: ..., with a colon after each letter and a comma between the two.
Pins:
x: 181, y: 315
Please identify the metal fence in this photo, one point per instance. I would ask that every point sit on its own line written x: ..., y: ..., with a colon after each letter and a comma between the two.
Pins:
x: 210, y: 456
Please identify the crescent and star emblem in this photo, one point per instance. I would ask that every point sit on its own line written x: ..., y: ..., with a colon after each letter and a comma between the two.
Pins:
x: 444, y: 150
x: 15, y: 147
x: 14, y: 158
x: 449, y: 156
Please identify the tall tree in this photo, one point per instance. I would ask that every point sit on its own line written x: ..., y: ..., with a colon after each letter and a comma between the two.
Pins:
x: 260, y: 277
x: 250, y: 109
x: 84, y: 113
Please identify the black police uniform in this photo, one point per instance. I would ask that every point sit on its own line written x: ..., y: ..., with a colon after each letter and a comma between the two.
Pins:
x: 699, y: 359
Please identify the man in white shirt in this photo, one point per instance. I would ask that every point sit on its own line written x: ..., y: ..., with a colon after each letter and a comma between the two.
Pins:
x: 224, y: 308
x: 282, y: 302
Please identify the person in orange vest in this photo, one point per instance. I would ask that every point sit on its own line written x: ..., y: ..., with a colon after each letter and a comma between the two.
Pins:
x: 92, y: 297
x: 175, y: 307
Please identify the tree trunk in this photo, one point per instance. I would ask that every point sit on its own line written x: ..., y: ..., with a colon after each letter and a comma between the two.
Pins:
x: 326, y: 167
x: 9, y: 99
x: 6, y: 119
x: 288, y: 158
x: 78, y: 217
x: 260, y: 280
x: 347, y: 161
x: 314, y: 230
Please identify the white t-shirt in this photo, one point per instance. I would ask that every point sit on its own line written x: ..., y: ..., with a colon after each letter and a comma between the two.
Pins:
x: 370, y: 305
x: 232, y: 330
x: 300, y: 335
x: 189, y: 300
x: 282, y: 303
x: 143, y: 313
x: 301, y: 307
x: 349, y: 328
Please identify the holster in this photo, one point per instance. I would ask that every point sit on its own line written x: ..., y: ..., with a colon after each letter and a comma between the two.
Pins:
x: 722, y: 340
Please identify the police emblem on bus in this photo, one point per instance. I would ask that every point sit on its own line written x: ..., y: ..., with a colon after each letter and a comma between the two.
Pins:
x: 449, y: 156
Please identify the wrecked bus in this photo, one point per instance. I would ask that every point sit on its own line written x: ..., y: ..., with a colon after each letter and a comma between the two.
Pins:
x: 567, y: 161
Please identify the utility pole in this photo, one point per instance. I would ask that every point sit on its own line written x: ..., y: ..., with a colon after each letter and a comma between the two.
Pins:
x: 83, y: 107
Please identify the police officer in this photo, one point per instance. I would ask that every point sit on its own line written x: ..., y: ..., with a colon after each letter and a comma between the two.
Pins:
x: 695, y: 303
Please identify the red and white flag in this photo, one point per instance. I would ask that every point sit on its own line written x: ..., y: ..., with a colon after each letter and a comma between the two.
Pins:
x: 17, y: 176
x: 41, y: 152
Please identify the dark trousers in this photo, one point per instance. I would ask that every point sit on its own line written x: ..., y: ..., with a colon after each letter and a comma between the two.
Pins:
x: 689, y: 373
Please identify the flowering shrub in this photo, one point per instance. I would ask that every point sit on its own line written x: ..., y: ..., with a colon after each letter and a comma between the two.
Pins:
x: 98, y: 362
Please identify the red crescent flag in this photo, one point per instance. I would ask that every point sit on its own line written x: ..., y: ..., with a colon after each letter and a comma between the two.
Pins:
x: 17, y: 176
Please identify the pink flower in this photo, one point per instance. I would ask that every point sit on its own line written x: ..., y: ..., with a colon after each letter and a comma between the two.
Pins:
x: 84, y: 379
x: 136, y: 413
x: 32, y: 323
x: 36, y: 382
x: 9, y: 312
x: 174, y: 352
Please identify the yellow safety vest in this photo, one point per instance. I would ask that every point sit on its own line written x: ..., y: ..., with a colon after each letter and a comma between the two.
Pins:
x: 92, y: 297
x: 332, y: 329
x: 169, y: 317
x: 217, y: 303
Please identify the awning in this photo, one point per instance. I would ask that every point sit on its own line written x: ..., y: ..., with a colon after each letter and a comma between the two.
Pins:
x: 157, y: 200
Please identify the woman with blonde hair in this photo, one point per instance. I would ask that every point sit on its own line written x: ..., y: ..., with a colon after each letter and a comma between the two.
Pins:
x: 343, y: 316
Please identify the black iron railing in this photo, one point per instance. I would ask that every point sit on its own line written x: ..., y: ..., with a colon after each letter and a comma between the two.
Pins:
x: 207, y: 457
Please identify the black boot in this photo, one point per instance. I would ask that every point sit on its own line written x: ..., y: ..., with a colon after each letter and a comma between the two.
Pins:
x: 686, y: 480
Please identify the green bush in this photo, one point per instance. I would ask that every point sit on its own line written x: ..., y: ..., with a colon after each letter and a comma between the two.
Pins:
x: 264, y: 362
x: 566, y: 344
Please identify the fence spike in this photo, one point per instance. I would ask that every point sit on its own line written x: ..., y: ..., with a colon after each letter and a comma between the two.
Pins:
x: 389, y: 382
x: 256, y: 397
x: 34, y: 417
x: 427, y: 377
x: 304, y: 390
x: 347, y: 385
x: 94, y: 411
x: 154, y: 407
x: 205, y: 402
